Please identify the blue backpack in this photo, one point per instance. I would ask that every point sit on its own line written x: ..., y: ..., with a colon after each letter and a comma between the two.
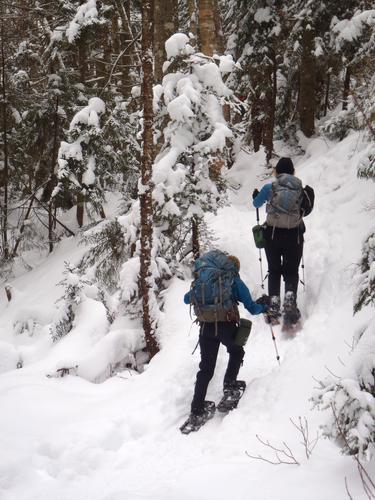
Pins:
x: 211, y: 291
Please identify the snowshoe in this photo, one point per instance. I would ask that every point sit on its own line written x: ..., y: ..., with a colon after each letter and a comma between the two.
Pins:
x: 195, y: 422
x: 291, y: 328
x: 232, y: 394
x: 272, y: 316
x: 291, y: 314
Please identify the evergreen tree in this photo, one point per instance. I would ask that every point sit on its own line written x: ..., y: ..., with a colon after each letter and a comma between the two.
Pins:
x: 84, y: 163
x: 189, y: 172
x: 351, y: 399
x: 256, y: 40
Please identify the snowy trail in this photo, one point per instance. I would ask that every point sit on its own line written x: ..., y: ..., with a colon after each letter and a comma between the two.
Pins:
x: 70, y: 439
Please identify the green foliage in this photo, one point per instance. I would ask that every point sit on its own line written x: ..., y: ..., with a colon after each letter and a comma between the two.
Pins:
x: 107, y: 251
x: 73, y: 284
x: 365, y: 293
x: 366, y: 168
x: 339, y: 125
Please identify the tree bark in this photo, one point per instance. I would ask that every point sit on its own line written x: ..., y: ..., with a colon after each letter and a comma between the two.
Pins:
x: 83, y: 69
x: 126, y: 35
x: 326, y: 97
x: 270, y: 88
x: 193, y: 9
x: 5, y: 176
x: 195, y: 237
x: 52, y: 174
x: 307, y: 84
x: 207, y: 35
x: 22, y: 228
x: 145, y: 195
x: 164, y: 27
x: 346, y: 89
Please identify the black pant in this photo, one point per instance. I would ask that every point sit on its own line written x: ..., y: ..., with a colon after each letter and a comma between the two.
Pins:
x: 284, y: 248
x: 209, y: 343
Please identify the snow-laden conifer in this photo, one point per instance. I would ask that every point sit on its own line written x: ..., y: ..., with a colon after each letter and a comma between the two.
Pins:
x: 84, y: 165
x: 190, y: 170
x: 351, y: 398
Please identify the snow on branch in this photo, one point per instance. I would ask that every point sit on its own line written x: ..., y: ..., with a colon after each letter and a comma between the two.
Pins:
x: 86, y: 15
x: 350, y: 30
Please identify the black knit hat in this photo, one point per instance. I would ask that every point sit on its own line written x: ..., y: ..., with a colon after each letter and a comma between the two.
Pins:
x: 285, y: 166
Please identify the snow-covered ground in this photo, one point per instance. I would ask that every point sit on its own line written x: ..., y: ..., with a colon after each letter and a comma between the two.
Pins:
x: 71, y: 439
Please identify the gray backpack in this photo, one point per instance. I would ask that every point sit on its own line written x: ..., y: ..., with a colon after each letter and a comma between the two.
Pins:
x: 284, y: 208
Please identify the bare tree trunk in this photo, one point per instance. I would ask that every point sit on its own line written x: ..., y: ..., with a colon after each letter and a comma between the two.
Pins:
x: 80, y: 204
x: 326, y: 97
x: 164, y: 27
x: 346, y: 90
x: 130, y: 55
x: 5, y: 176
x: 307, y: 84
x: 270, y: 88
x: 146, y: 175
x: 195, y: 237
x: 193, y: 9
x: 103, y: 64
x: 83, y: 73
x: 206, y: 29
x: 53, y: 164
x: 82, y: 58
x: 22, y: 228
x: 256, y: 125
x: 220, y: 42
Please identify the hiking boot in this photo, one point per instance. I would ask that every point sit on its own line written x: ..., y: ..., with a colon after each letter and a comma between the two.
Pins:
x: 291, y: 313
x: 273, y: 313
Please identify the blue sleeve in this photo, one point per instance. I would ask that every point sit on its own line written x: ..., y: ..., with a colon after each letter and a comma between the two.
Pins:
x: 187, y: 298
x: 243, y: 295
x: 263, y: 196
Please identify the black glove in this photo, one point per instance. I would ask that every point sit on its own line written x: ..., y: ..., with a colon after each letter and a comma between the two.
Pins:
x: 255, y: 193
x: 264, y: 300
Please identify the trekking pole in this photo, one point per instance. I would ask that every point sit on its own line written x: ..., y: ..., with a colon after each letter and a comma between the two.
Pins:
x: 303, y: 274
x: 260, y: 256
x: 274, y: 343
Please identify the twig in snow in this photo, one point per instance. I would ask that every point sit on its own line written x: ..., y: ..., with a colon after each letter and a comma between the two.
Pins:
x: 283, y: 455
x: 303, y: 428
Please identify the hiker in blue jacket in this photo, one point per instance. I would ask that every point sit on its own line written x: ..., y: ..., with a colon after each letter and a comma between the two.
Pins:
x: 212, y: 334
x: 284, y: 237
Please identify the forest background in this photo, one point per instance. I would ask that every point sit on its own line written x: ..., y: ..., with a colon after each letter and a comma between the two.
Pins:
x: 147, y: 105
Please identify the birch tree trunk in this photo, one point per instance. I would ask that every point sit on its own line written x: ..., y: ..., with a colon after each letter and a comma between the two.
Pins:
x: 145, y: 195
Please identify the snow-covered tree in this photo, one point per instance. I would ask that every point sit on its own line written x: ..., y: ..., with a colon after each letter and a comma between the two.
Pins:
x: 79, y: 286
x: 189, y: 171
x: 84, y: 165
x: 256, y: 40
x: 351, y: 399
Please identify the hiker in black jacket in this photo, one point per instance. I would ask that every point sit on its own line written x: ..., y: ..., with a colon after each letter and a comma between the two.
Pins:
x: 287, y: 202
